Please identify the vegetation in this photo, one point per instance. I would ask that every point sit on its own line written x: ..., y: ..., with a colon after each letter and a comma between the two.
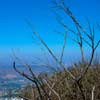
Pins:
x: 61, y: 85
x: 81, y: 81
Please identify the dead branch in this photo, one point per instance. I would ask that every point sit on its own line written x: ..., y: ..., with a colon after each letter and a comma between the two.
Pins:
x: 52, y: 90
x: 93, y: 89
x: 29, y: 78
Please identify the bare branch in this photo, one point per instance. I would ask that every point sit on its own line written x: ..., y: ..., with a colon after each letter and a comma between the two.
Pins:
x: 52, y: 90
x: 98, y: 25
x: 51, y: 87
x: 29, y: 78
x: 49, y: 50
x: 63, y: 48
x: 97, y: 45
x: 42, y: 41
x: 93, y: 89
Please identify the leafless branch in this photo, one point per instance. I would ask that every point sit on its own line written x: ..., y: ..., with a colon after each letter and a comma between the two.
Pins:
x: 52, y: 90
x: 29, y: 78
x: 49, y: 50
x: 93, y: 89
x: 98, y: 25
x: 63, y: 48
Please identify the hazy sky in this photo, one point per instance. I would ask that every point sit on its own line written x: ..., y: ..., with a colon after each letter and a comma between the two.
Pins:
x: 16, y: 34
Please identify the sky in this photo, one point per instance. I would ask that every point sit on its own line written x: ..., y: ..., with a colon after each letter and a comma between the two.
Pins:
x: 16, y: 35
